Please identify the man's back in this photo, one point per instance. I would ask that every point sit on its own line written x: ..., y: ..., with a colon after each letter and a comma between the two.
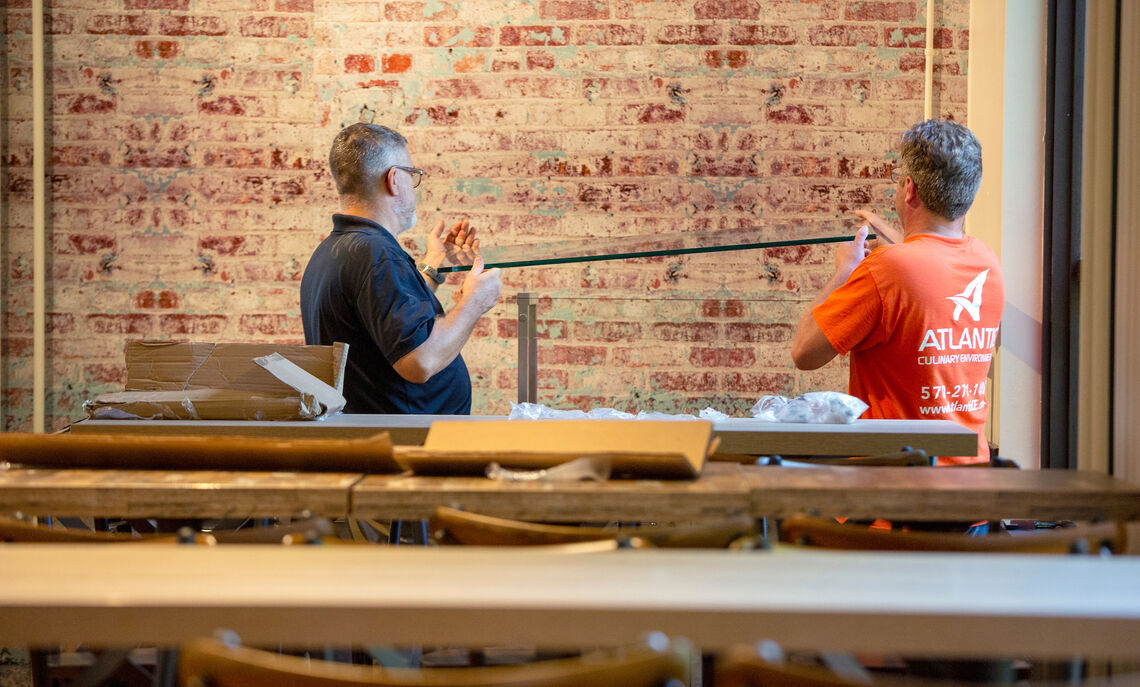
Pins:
x: 361, y: 288
x: 920, y: 320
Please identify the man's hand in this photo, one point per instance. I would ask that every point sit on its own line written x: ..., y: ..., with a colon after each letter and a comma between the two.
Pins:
x: 885, y: 233
x: 480, y: 289
x: 849, y: 255
x: 457, y: 246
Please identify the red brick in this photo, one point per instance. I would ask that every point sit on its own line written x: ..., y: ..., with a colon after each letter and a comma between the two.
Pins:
x: 869, y: 10
x: 761, y: 34
x: 293, y: 5
x: 610, y: 34
x: 177, y: 5
x: 191, y: 25
x: 726, y: 166
x: 722, y: 308
x: 164, y: 50
x: 232, y: 106
x: 788, y: 164
x: 726, y: 9
x: 963, y: 39
x: 689, y: 34
x: 60, y: 24
x: 535, y: 61
x: 223, y: 245
x: 571, y: 355
x: 167, y: 157
x: 758, y: 385
x: 163, y: 299
x: 132, y: 323
x: 756, y: 332
x: 396, y: 63
x: 842, y: 35
x: 274, y: 27
x: 120, y: 24
x: 606, y: 331
x: 916, y: 62
x: 233, y: 158
x: 686, y: 331
x: 359, y: 64
x: 731, y: 59
x: 269, y: 324
x: 647, y: 165
x: 105, y: 373
x: 89, y: 244
x: 656, y: 114
x: 456, y: 36
x: 86, y: 104
x: 682, y: 381
x: 915, y: 37
x: 441, y: 115
x: 533, y: 36
x: 804, y: 115
x: 189, y: 325
x: 721, y: 357
x: 80, y: 156
x: 417, y: 11
x: 568, y: 10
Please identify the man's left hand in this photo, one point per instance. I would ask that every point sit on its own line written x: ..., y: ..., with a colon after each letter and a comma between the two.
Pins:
x: 458, y: 246
x: 849, y: 255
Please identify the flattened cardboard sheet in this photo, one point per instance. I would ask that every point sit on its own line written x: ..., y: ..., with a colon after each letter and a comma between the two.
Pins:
x: 636, y: 448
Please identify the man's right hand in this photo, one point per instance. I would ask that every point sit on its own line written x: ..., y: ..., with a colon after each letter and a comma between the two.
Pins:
x: 481, y: 288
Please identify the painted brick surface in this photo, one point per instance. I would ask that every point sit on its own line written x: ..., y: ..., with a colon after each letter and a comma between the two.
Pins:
x: 188, y: 179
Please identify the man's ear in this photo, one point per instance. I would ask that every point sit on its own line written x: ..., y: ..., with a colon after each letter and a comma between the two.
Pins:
x: 910, y: 193
x: 390, y: 181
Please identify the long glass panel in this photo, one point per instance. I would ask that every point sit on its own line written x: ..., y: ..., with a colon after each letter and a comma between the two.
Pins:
x: 672, y: 355
x: 622, y: 247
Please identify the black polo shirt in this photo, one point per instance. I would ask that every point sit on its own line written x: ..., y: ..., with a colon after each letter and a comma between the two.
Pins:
x: 362, y: 288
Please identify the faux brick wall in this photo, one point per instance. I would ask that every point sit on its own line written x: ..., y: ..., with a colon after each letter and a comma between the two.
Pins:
x: 188, y: 181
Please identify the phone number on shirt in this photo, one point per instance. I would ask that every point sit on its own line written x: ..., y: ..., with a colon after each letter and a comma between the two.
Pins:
x: 957, y: 391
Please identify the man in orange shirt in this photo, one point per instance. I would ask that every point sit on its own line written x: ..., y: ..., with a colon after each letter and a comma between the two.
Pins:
x: 919, y: 313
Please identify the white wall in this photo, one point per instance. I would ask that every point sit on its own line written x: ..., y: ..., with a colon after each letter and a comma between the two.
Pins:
x: 1006, y: 95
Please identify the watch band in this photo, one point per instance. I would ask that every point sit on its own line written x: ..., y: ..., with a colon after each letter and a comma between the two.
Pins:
x: 432, y: 273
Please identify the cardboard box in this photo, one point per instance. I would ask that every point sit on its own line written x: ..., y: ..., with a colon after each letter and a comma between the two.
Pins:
x: 226, y: 381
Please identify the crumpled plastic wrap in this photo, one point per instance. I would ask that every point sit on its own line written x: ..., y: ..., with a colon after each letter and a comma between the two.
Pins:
x: 537, y: 411
x: 593, y: 469
x: 819, y: 407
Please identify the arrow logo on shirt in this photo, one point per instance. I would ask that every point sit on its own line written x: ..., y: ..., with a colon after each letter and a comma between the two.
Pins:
x: 970, y: 299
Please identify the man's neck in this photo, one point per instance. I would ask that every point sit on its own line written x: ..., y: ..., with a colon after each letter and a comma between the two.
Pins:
x: 378, y: 214
x: 930, y: 223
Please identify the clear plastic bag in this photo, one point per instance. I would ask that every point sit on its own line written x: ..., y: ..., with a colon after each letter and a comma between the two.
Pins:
x: 577, y: 470
x: 537, y: 411
x: 819, y: 407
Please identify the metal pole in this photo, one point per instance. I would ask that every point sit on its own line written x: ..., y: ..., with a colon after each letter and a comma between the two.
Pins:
x: 528, y: 347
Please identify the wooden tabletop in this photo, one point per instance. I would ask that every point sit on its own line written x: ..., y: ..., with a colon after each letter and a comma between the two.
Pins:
x: 724, y: 491
x: 184, y: 494
x: 720, y: 493
x: 909, y: 603
x: 737, y: 435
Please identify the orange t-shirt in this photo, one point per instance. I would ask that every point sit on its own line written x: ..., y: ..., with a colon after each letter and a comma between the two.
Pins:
x: 920, y: 320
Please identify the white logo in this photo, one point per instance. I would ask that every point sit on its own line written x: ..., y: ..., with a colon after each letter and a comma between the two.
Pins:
x: 970, y: 299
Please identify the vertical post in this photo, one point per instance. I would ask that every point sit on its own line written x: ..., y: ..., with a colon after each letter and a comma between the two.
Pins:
x: 39, y: 221
x: 528, y: 347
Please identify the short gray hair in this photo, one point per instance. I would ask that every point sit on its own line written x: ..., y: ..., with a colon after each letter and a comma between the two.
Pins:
x: 944, y: 159
x: 361, y: 154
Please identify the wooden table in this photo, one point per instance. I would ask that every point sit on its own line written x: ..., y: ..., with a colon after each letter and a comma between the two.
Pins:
x: 737, y: 435
x: 161, y: 493
x: 725, y: 490
x: 912, y: 603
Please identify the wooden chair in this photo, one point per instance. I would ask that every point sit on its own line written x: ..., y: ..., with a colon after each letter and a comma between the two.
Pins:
x: 209, y: 663
x: 1096, y: 538
x: 21, y: 532
x: 745, y: 667
x: 451, y: 526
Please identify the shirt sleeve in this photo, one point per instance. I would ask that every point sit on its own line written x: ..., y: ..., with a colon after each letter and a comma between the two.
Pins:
x: 398, y: 318
x: 851, y: 317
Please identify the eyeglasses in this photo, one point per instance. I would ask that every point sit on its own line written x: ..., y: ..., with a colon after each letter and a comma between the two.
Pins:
x: 898, y: 174
x: 417, y: 174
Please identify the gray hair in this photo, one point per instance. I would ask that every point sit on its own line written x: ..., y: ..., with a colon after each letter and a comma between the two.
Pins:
x: 944, y: 159
x: 361, y: 154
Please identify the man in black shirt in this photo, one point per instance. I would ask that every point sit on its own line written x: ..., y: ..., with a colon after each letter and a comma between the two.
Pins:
x: 362, y: 288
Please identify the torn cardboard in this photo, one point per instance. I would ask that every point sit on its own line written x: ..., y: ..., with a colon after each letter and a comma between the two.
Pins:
x: 226, y: 381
